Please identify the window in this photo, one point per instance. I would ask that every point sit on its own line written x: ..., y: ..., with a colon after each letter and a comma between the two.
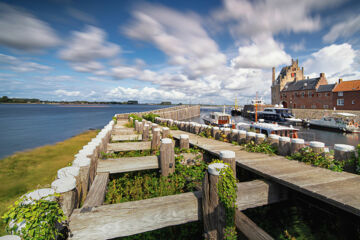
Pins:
x: 340, y: 102
x: 313, y: 106
x: 310, y: 94
x: 327, y: 94
x: 340, y: 94
x: 326, y: 106
x: 353, y: 102
x: 302, y: 94
x: 319, y: 94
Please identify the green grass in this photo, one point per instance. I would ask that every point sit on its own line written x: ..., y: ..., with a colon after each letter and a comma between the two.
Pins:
x: 36, y: 168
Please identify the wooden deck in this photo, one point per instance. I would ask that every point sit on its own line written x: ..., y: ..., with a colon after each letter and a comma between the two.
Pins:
x: 340, y: 189
x: 128, y: 137
x: 129, y: 164
x: 128, y: 146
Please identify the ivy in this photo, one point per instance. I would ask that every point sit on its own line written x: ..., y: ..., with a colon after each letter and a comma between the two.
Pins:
x: 41, y: 218
x: 150, y: 116
x: 135, y: 117
x: 260, y: 148
x: 227, y: 196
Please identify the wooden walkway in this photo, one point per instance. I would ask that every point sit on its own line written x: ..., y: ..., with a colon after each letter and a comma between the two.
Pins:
x: 128, y: 164
x: 340, y: 189
x: 128, y: 146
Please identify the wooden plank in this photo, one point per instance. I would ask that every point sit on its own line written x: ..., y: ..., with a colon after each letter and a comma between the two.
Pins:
x: 249, y: 228
x: 131, y: 137
x: 128, y: 146
x: 259, y: 193
x: 123, y: 131
x: 124, y: 219
x: 96, y: 195
x: 131, y: 164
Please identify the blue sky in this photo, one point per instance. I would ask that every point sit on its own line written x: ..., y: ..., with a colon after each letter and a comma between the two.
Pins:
x: 179, y: 51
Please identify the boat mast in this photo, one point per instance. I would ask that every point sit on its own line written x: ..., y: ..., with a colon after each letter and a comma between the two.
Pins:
x: 256, y: 106
x: 236, y: 106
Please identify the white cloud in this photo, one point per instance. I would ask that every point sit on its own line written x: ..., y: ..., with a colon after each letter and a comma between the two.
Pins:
x: 89, y: 45
x: 336, y: 61
x: 296, y: 47
x: 20, y: 30
x: 19, y: 65
x: 91, y: 66
x: 61, y: 92
x: 344, y: 29
x: 180, y: 36
x: 264, y: 52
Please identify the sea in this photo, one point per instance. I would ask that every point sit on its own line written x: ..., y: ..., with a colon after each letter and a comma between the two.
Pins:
x: 26, y: 126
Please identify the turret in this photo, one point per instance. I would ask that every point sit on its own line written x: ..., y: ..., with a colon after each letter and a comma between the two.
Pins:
x: 273, y: 76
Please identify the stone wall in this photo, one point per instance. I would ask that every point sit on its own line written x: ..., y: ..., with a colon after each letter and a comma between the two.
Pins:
x: 319, y: 113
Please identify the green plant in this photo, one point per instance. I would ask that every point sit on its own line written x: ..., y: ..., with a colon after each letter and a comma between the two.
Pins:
x: 135, y: 117
x: 41, y: 218
x: 227, y: 196
x: 358, y: 159
x: 134, y: 153
x: 260, y: 148
x: 150, y: 116
x: 115, y: 119
x: 178, y: 150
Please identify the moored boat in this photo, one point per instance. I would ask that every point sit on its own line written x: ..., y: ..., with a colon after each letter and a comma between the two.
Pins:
x: 219, y: 119
x: 342, y: 123
x: 269, y: 128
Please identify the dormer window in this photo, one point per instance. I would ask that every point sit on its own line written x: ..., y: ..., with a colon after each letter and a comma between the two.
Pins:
x: 340, y: 94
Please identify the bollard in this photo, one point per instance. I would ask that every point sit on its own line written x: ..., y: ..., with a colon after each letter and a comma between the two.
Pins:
x: 68, y: 195
x: 167, y: 157
x: 273, y: 140
x: 284, y: 146
x: 242, y: 137
x: 184, y: 141
x: 140, y: 127
x: 154, y: 125
x: 197, y: 128
x: 72, y: 171
x: 136, y: 126
x: 155, y: 141
x: 250, y: 136
x: 214, y: 215
x: 296, y: 145
x: 131, y: 119
x: 227, y: 133
x: 317, y: 147
x: 84, y: 164
x: 214, y: 132
x: 165, y: 132
x: 229, y: 158
x: 145, y: 134
x: 234, y: 135
x: 343, y: 152
x: 259, y: 138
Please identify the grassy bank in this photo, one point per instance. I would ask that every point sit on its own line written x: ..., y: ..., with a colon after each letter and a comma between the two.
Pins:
x: 25, y: 171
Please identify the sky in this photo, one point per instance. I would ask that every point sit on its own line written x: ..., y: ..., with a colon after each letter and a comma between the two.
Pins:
x: 202, y: 51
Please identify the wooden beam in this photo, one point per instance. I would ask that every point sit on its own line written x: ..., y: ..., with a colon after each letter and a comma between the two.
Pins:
x: 259, y: 193
x: 130, y: 164
x: 125, y: 219
x: 96, y: 195
x: 249, y: 228
x: 131, y: 137
x: 128, y: 146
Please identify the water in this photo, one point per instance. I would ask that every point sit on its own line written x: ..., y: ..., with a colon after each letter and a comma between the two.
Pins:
x: 26, y: 126
x: 328, y: 137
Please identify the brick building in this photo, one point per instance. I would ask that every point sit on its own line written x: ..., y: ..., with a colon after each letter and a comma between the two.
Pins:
x: 346, y: 95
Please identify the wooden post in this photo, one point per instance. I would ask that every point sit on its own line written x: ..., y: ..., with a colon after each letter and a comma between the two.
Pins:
x: 136, y: 125
x: 242, y: 137
x: 155, y: 141
x: 345, y: 152
x: 68, y: 195
x: 296, y: 145
x: 227, y: 133
x: 234, y: 135
x: 229, y: 158
x: 214, y: 131
x: 317, y: 147
x: 140, y: 127
x: 145, y: 134
x: 72, y: 171
x: 259, y: 138
x: 165, y: 132
x: 154, y: 125
x: 131, y: 119
x: 284, y: 146
x: 273, y: 140
x: 214, y: 215
x: 167, y: 157
x: 250, y: 136
x: 184, y: 141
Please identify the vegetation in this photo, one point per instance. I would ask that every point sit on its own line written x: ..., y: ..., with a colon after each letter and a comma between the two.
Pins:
x: 307, y: 155
x: 206, y: 133
x: 134, y: 153
x: 358, y: 159
x: 150, y: 117
x: 149, y: 184
x: 41, y: 218
x: 36, y: 168
x: 260, y: 148
x: 173, y: 127
x: 114, y: 119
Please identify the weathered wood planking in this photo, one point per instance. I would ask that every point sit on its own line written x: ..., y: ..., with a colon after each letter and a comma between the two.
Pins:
x: 259, y: 193
x: 128, y: 146
x: 336, y: 188
x: 130, y: 164
x: 96, y: 195
x: 249, y: 228
x: 123, y: 131
x: 125, y: 219
x: 131, y: 137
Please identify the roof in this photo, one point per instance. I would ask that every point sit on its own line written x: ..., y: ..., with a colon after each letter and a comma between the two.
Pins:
x: 307, y: 84
x: 326, y: 88
x: 345, y: 86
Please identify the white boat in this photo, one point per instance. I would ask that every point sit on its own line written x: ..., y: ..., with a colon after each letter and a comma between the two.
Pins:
x: 342, y: 123
x: 269, y: 128
x: 219, y: 119
x: 280, y: 115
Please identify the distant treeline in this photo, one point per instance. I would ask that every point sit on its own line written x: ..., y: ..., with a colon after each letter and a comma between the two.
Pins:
x: 6, y: 99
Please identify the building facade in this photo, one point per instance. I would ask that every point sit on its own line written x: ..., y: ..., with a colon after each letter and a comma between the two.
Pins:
x: 346, y: 95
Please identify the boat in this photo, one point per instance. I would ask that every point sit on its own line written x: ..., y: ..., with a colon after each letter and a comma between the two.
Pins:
x: 235, y: 111
x: 218, y: 119
x: 342, y: 122
x: 280, y: 115
x: 269, y: 128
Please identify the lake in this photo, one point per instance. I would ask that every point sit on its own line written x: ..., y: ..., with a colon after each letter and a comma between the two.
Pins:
x: 26, y: 126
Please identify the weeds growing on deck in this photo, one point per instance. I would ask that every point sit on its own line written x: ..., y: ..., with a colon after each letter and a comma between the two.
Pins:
x: 150, y: 116
x: 260, y: 148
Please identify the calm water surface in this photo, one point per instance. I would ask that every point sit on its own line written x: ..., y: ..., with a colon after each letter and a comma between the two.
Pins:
x: 25, y: 126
